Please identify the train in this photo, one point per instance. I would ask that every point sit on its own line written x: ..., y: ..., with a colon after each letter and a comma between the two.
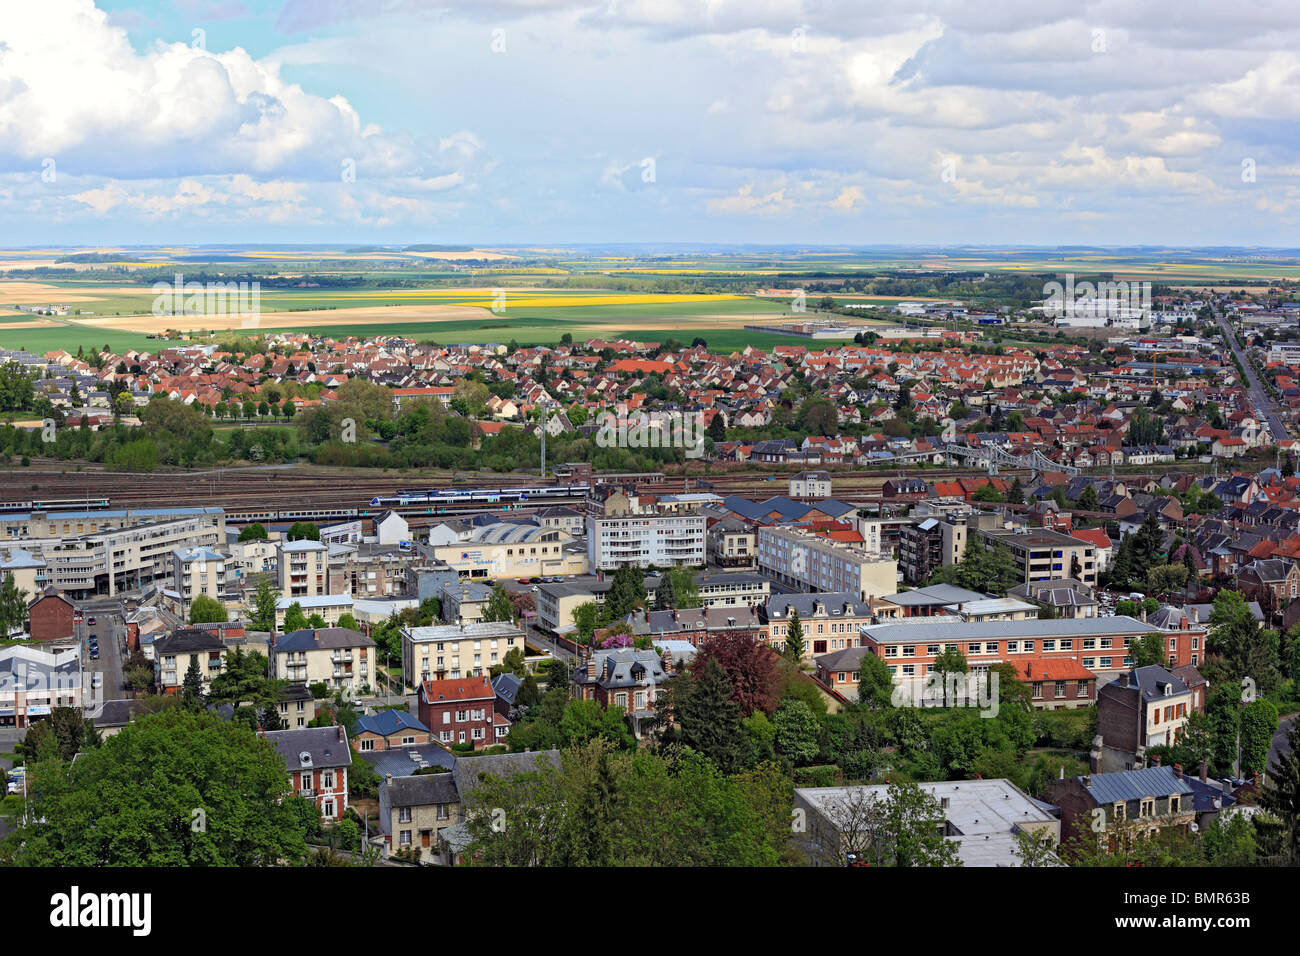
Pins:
x: 55, y: 504
x: 490, y: 496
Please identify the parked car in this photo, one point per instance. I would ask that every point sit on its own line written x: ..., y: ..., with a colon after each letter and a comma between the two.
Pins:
x: 94, y: 653
x: 91, y: 621
x: 14, y: 786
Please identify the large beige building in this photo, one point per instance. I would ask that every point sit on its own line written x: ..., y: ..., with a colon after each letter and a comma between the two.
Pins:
x: 303, y: 569
x: 1042, y: 555
x: 455, y: 651
x: 197, y: 571
x: 510, y: 550
x: 811, y: 562
x: 339, y: 658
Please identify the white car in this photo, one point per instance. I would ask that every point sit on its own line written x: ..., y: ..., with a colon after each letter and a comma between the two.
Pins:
x: 14, y: 786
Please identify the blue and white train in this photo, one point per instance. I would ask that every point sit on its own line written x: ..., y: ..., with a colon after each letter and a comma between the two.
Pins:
x: 489, y: 496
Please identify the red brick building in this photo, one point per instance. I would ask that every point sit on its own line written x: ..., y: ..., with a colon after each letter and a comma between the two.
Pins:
x: 317, y: 759
x: 51, y: 616
x: 462, y: 712
x: 1058, y: 683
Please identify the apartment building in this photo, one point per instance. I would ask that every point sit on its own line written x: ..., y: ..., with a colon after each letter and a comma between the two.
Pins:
x: 646, y: 538
x: 829, y: 621
x: 338, y: 657
x: 556, y: 601
x: 938, y: 538
x: 255, y: 556
x: 47, y: 525
x: 810, y: 562
x: 174, y: 654
x: 1099, y: 644
x: 368, y: 570
x: 456, y: 651
x: 130, y: 558
x: 732, y: 543
x: 1048, y: 555
x: 35, y: 680
x: 810, y: 484
x: 303, y: 569
x: 464, y: 601
x: 198, y: 571
x: 330, y: 607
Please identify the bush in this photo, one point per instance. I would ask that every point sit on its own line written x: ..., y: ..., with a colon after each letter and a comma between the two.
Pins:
x: 1065, y: 729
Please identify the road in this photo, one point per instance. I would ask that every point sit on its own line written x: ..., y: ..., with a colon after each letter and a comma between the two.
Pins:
x: 1264, y: 408
x: 1280, y: 744
x: 111, y: 631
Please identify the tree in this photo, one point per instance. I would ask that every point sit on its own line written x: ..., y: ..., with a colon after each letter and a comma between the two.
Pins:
x: 216, y: 797
x: 1238, y: 646
x: 1088, y: 500
x: 585, y: 617
x: 717, y: 429
x: 69, y: 729
x: 1016, y: 493
x: 13, y: 606
x: 1148, y: 650
x: 302, y: 531
x: 750, y: 667
x: 264, y: 607
x: 794, y: 644
x: 795, y: 732
x: 498, y: 607
x: 684, y: 592
x: 986, y: 492
x: 1258, y: 725
x: 192, y: 697
x: 707, y: 714
x: 253, y: 532
x: 294, y: 618
x: 875, y: 683
x: 626, y: 592
x: 207, y: 610
x: 950, y: 661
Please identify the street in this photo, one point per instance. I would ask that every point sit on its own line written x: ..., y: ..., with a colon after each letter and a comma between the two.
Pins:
x: 1264, y: 408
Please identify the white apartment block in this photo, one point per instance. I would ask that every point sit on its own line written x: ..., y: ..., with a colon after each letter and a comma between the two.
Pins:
x: 303, y: 569
x: 198, y: 571
x: 644, y: 539
x: 810, y: 562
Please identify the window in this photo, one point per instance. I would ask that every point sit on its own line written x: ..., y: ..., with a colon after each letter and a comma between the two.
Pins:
x: 444, y: 811
x: 367, y: 744
x: 327, y: 809
x: 404, y: 815
x: 1013, y: 647
x: 404, y: 838
x: 1060, y: 688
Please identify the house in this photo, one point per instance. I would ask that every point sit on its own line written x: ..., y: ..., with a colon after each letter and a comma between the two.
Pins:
x: 317, y: 759
x: 51, y: 616
x: 1066, y: 597
x: 297, y: 705
x: 1274, y: 583
x: 624, y: 678
x: 1145, y: 800
x: 424, y: 814
x: 810, y: 484
x: 388, y: 729
x: 338, y: 657
x: 462, y: 712
x: 1058, y: 683
x: 1146, y: 707
x: 839, y: 670
x: 175, y: 653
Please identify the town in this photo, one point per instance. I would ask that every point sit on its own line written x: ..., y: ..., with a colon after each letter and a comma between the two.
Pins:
x: 1063, y: 579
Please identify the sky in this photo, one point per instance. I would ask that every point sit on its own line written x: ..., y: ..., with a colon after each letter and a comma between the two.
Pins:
x: 527, y: 122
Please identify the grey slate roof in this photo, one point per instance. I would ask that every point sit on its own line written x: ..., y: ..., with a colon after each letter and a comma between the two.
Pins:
x: 1129, y: 785
x: 469, y: 772
x: 404, y: 761
x: 423, y: 790
x: 324, y: 638
x: 322, y: 744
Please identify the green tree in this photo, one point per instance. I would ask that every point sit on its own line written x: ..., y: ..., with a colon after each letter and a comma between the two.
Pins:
x: 1088, y: 500
x: 626, y: 592
x: 68, y: 727
x: 216, y: 798
x: 207, y: 610
x: 796, y: 732
x: 875, y: 683
x: 708, y: 716
x: 253, y: 532
x: 1281, y: 797
x: 13, y: 606
x: 1258, y: 725
x: 294, y: 618
x: 950, y: 661
x: 498, y: 607
x: 1237, y: 646
x: 264, y: 607
x: 902, y: 827
x: 302, y: 531
x: 192, y: 696
x: 1148, y: 650
x: 794, y: 643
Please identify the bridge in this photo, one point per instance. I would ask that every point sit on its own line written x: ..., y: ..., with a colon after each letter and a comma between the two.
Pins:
x: 991, y: 456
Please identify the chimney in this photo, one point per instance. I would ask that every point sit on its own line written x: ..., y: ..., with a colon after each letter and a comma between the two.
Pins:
x: 1178, y: 771
x: 341, y: 734
x: 1155, y: 760
x: 388, y: 779
x: 1185, y: 623
x: 1205, y: 771
x: 1087, y: 780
